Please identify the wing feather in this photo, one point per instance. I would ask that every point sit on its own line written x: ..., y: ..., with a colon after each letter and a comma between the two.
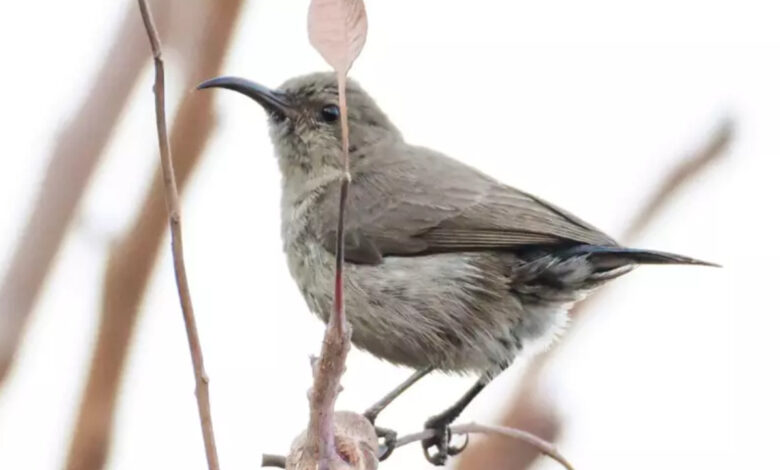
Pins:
x: 413, y: 201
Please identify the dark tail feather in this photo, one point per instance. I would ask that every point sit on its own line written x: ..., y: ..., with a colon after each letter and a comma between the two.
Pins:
x: 607, y: 257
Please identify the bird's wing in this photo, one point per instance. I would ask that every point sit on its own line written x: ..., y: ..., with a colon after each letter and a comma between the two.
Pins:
x: 413, y: 201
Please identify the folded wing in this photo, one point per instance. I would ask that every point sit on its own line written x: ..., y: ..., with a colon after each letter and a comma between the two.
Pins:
x: 419, y: 202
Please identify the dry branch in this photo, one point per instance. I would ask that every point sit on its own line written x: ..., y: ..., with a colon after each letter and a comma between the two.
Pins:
x: 130, y: 263
x: 177, y: 245
x: 683, y: 173
x: 528, y: 410
x: 319, y: 449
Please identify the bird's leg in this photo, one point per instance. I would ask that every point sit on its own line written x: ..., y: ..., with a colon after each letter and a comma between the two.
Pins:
x: 388, y: 435
x: 377, y: 408
x: 441, y: 425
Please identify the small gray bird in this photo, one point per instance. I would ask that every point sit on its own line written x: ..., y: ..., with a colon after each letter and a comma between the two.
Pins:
x: 446, y: 268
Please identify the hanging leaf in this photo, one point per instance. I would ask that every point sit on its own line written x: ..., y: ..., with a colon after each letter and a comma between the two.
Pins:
x: 337, y: 29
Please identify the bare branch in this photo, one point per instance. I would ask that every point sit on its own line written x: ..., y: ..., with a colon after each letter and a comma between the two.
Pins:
x: 540, y: 445
x: 174, y: 218
x: 320, y: 441
x: 685, y: 171
x: 132, y: 259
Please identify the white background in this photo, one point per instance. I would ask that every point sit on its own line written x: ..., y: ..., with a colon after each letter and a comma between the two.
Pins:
x: 586, y: 104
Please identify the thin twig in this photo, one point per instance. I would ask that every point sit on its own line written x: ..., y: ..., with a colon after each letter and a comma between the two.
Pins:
x: 132, y: 258
x: 338, y: 294
x: 174, y: 217
x: 270, y: 460
x: 546, y: 448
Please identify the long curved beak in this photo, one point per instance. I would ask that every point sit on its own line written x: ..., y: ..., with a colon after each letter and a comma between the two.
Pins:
x: 277, y: 103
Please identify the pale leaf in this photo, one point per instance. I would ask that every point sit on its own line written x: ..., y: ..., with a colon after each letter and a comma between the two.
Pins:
x: 337, y: 29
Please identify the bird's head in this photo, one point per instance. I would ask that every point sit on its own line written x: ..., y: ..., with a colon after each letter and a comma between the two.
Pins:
x: 304, y: 120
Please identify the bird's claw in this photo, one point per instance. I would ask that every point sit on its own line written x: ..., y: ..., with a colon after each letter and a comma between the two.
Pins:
x: 455, y: 450
x: 441, y: 441
x: 387, y: 443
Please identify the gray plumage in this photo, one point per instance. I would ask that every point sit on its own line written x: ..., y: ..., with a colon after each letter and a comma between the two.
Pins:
x: 445, y: 266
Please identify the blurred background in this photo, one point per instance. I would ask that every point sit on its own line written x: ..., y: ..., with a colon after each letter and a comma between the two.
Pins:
x: 591, y: 105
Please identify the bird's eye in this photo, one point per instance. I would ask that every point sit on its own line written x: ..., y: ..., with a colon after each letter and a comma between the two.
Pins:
x: 330, y: 113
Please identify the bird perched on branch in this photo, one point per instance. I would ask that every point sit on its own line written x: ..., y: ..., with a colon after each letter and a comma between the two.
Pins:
x: 446, y: 268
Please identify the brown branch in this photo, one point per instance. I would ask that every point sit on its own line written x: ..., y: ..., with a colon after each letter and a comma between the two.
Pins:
x: 528, y: 410
x: 131, y: 261
x: 537, y: 443
x: 320, y: 440
x: 71, y: 165
x: 174, y: 218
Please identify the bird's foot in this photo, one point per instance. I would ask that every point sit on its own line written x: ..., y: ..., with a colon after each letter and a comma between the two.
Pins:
x: 441, y: 441
x: 387, y: 441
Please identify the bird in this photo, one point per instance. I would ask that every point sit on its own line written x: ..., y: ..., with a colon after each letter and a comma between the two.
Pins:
x: 446, y: 268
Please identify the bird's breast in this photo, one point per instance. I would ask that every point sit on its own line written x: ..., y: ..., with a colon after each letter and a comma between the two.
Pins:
x: 312, y: 268
x: 455, y: 311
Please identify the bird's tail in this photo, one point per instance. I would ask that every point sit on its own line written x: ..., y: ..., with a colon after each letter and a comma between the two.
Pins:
x: 607, y: 257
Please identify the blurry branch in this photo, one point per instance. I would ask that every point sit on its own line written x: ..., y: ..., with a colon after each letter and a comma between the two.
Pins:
x: 686, y: 171
x: 174, y: 219
x: 132, y: 259
x: 71, y: 164
x: 527, y: 409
